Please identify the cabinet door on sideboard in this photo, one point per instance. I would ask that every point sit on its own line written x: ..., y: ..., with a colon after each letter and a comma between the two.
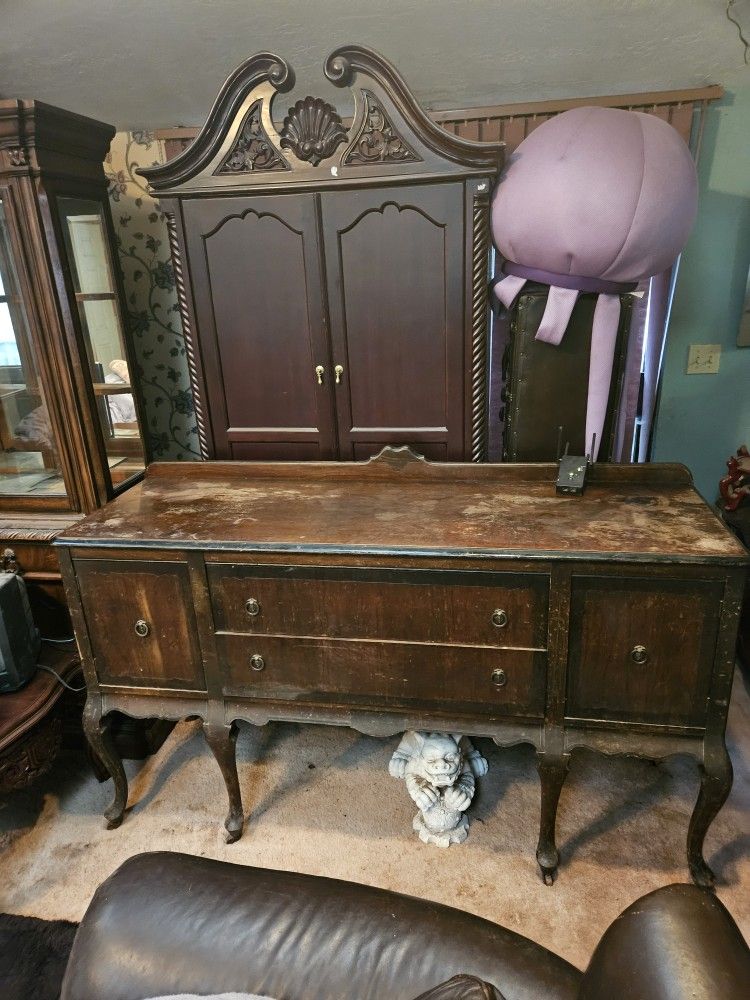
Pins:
x: 256, y: 280
x: 141, y: 623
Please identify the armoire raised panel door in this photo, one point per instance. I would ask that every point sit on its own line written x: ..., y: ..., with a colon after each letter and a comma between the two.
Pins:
x: 396, y: 303
x: 257, y: 280
x: 332, y: 276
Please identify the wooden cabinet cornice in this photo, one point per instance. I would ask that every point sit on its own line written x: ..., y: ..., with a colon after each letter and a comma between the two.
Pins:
x: 403, y: 594
x: 332, y: 276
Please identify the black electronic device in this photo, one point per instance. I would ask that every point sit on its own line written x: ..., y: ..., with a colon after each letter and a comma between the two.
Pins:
x: 20, y: 641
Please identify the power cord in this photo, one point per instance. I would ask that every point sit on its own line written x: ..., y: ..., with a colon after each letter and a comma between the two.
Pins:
x: 64, y: 683
x: 42, y: 666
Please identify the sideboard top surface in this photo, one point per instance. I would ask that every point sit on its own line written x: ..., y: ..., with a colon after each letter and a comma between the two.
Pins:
x: 398, y: 503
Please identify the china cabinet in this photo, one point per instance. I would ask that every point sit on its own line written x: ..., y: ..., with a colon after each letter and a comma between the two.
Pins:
x: 70, y: 430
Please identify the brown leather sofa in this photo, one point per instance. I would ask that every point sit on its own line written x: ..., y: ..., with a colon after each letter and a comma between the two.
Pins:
x: 171, y: 923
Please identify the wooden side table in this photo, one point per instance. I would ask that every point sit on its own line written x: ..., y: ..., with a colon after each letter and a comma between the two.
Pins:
x: 31, y: 724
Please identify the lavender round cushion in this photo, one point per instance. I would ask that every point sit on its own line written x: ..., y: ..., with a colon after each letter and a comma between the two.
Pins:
x: 594, y: 199
x: 597, y: 192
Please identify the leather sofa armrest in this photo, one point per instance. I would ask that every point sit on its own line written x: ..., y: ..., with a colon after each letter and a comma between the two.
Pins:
x: 167, y: 923
x: 676, y: 942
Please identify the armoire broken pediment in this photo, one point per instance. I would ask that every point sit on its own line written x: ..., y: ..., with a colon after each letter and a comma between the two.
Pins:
x: 332, y: 274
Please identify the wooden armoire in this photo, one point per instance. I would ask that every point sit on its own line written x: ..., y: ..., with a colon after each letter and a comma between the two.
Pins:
x: 332, y: 274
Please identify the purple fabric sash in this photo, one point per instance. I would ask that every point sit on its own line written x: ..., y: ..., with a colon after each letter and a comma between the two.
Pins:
x: 579, y: 281
x: 563, y: 293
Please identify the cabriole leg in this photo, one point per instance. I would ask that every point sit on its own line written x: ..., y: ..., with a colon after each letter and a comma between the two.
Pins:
x: 716, y: 783
x: 223, y: 743
x: 553, y: 769
x: 100, y: 740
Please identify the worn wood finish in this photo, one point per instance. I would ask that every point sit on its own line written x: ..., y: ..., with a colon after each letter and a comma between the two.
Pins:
x: 346, y: 603
x: 150, y: 605
x: 332, y: 277
x: 625, y: 515
x: 399, y: 593
x: 310, y: 670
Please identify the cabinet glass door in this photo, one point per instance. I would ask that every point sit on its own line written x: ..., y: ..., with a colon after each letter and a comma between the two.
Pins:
x: 96, y: 296
x: 29, y: 464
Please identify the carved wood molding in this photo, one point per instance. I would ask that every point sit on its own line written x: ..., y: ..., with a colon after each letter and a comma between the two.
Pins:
x: 392, y: 134
x: 265, y: 67
x: 191, y: 348
x: 480, y: 242
x: 346, y: 64
x: 396, y: 457
x: 377, y: 141
x: 252, y: 149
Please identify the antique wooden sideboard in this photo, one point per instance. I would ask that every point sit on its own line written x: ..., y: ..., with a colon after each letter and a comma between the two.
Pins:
x: 402, y: 594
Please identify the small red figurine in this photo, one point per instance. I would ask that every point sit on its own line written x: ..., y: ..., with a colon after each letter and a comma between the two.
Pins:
x: 735, y: 486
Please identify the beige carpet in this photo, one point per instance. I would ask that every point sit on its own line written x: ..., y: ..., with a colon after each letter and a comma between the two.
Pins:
x: 320, y: 800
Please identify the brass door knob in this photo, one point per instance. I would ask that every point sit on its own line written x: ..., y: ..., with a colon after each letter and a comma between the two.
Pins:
x: 338, y: 372
x: 499, y: 618
x: 639, y: 654
x: 142, y: 628
x: 252, y: 607
x: 319, y: 373
x: 499, y: 678
x: 257, y: 662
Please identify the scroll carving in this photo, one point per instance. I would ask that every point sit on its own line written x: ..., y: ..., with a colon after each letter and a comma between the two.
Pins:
x: 252, y: 149
x: 377, y: 141
x: 312, y: 130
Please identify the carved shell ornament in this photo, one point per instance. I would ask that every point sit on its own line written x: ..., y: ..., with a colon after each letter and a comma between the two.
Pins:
x: 312, y: 130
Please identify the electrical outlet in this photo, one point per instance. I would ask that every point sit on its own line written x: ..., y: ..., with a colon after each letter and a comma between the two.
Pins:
x: 703, y: 359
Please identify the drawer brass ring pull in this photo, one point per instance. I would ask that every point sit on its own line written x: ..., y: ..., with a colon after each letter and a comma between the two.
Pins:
x: 499, y: 678
x: 499, y: 618
x: 639, y: 654
x: 257, y: 662
x: 142, y: 628
x: 252, y: 607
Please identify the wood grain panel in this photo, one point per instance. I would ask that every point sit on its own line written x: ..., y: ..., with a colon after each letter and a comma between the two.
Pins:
x: 115, y: 596
x: 675, y: 620
x: 408, y: 605
x: 394, y: 262
x: 380, y: 673
x: 256, y: 279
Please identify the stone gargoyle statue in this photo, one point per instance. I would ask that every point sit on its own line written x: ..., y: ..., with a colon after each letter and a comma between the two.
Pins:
x: 440, y: 771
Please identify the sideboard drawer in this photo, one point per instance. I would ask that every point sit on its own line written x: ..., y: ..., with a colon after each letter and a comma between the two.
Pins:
x: 443, y: 606
x: 141, y: 623
x: 393, y: 674
x: 642, y: 650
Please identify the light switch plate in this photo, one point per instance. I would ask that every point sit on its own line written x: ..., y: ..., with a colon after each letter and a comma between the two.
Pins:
x: 703, y: 359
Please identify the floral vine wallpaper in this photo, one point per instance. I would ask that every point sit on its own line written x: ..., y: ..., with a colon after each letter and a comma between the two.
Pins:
x: 151, y: 300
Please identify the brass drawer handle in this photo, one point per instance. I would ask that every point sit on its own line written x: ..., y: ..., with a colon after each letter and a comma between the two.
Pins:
x: 252, y: 607
x: 142, y: 628
x: 257, y: 662
x: 499, y: 618
x: 639, y: 654
x: 499, y: 678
